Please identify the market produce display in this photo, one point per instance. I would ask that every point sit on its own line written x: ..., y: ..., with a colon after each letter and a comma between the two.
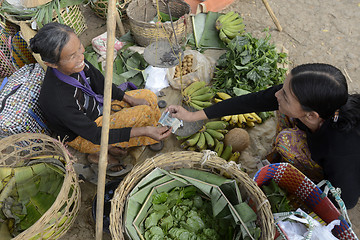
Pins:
x: 188, y: 204
x: 249, y: 64
x: 197, y: 95
x: 229, y: 25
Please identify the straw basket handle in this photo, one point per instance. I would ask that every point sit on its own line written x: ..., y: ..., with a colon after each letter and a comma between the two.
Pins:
x: 336, y: 193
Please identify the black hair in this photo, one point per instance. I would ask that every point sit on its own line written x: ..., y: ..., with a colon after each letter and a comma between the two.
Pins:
x: 50, y: 40
x: 323, y: 88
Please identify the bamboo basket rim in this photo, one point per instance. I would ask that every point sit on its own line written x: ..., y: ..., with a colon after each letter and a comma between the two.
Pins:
x: 206, y: 160
x: 69, y: 195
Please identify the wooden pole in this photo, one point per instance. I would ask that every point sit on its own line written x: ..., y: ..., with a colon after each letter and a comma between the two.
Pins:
x: 119, y: 24
x: 272, y: 15
x: 111, y: 25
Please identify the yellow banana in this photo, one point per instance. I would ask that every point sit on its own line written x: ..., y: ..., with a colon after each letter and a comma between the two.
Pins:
x: 242, y: 120
x: 249, y: 117
x: 235, y: 157
x: 223, y: 131
x: 215, y: 134
x: 223, y: 95
x: 250, y: 124
x: 201, y: 91
x: 193, y: 139
x: 226, y: 118
x: 209, y: 140
x: 226, y: 154
x: 234, y: 119
x: 201, y: 103
x: 257, y: 118
x: 203, y: 97
x: 216, y: 100
x: 193, y: 87
x: 200, y: 145
x: 219, y: 147
x: 192, y: 148
x: 216, y: 125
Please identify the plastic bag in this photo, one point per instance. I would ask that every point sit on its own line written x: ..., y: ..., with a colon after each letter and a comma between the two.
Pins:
x: 203, y: 69
x: 155, y: 79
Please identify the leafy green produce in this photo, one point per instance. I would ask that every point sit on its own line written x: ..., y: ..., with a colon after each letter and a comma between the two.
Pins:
x: 183, y: 214
x: 249, y: 64
x: 164, y: 17
x: 128, y: 66
x: 276, y: 197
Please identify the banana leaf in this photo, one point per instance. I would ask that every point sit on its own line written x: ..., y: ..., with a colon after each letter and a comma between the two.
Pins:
x: 30, y: 192
x: 209, y: 185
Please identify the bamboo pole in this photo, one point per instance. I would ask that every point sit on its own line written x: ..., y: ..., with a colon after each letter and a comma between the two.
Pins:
x: 111, y: 25
x: 272, y: 15
x: 119, y: 24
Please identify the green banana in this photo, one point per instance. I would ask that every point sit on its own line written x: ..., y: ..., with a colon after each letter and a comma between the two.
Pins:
x: 203, y: 97
x: 200, y: 145
x: 193, y: 87
x: 215, y: 134
x: 201, y: 91
x: 193, y: 139
x: 223, y: 37
x: 195, y: 106
x: 226, y: 154
x: 216, y: 125
x: 192, y: 148
x: 219, y: 148
x: 201, y: 103
x: 229, y: 19
x: 237, y: 21
x: 209, y: 140
x: 183, y: 145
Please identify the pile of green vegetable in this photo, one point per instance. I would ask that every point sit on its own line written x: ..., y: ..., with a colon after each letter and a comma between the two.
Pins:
x: 249, y: 64
x: 128, y: 66
x: 277, y: 197
x: 184, y: 214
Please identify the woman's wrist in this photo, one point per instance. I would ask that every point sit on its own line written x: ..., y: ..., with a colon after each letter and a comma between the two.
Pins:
x: 139, y: 131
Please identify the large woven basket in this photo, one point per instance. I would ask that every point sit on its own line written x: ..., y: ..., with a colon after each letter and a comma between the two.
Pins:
x: 72, y: 16
x: 141, y: 12
x: 206, y: 161
x: 100, y: 7
x: 293, y: 181
x: 60, y: 216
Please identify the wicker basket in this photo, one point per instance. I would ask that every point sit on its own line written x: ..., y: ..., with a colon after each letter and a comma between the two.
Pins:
x: 206, y: 161
x: 100, y: 7
x: 141, y: 12
x: 72, y: 16
x: 60, y: 216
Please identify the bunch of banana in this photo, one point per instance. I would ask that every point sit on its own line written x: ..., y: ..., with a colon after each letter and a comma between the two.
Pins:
x: 229, y: 25
x: 197, y: 95
x: 226, y: 152
x: 206, y: 138
x: 240, y: 120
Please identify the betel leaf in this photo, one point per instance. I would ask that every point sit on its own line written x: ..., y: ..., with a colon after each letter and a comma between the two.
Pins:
x: 160, y: 198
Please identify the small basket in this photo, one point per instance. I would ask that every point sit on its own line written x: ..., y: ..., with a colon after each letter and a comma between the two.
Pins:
x: 295, y: 182
x: 60, y: 216
x: 206, y: 161
x: 100, y: 7
x: 141, y: 12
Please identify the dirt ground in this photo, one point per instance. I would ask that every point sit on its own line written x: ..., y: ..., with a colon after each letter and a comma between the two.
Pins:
x: 313, y: 31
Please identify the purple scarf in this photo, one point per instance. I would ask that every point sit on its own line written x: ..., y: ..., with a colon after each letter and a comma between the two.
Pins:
x: 74, y: 82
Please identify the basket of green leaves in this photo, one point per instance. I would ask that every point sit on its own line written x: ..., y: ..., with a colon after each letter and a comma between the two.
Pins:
x: 39, y: 190
x: 189, y: 195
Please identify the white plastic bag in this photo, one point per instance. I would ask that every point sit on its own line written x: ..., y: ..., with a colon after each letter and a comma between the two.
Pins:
x: 155, y: 79
x: 203, y: 70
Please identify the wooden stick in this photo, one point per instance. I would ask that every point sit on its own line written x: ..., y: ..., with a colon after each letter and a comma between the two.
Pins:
x: 272, y: 15
x: 111, y: 27
x: 119, y: 24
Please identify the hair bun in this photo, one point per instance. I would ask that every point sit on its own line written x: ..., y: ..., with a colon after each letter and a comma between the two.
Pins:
x: 33, y: 46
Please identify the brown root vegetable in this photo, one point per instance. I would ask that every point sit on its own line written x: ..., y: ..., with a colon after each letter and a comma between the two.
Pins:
x: 238, y: 138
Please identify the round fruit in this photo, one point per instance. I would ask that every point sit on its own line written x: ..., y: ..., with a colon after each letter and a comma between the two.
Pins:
x: 238, y: 138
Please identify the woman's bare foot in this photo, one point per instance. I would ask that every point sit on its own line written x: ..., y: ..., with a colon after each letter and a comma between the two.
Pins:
x: 117, y: 151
